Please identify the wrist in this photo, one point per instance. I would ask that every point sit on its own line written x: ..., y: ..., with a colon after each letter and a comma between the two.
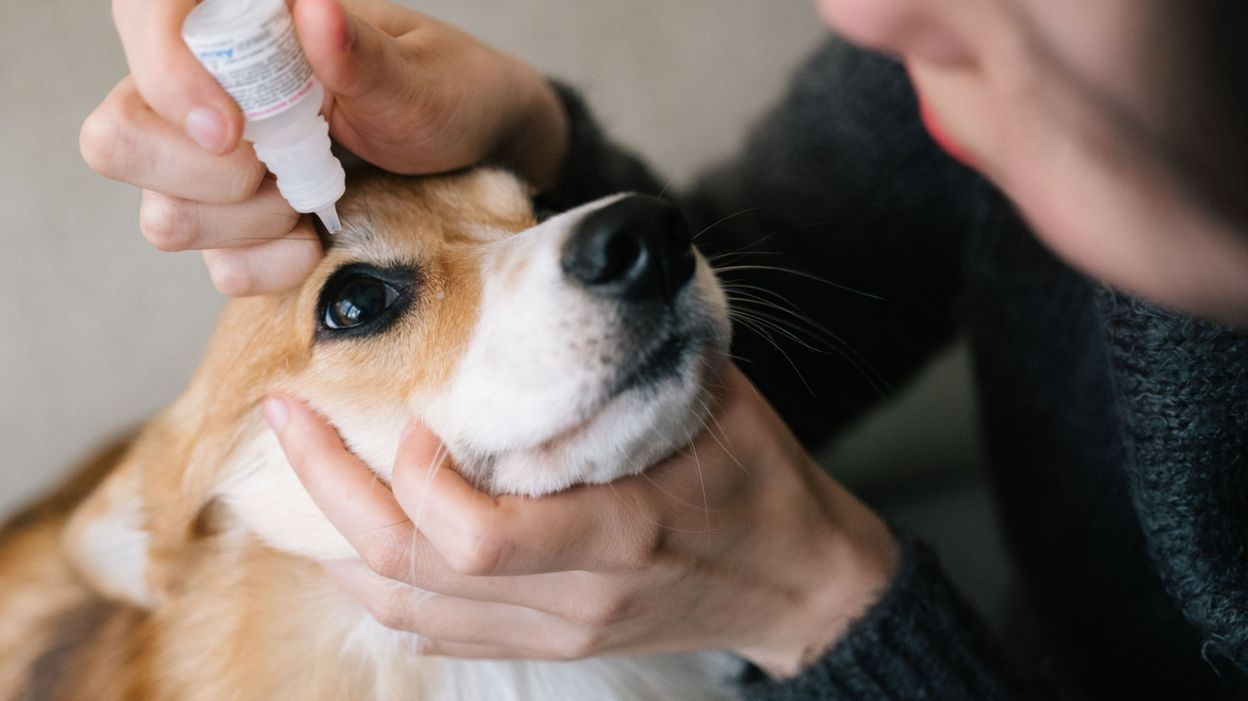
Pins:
x: 538, y: 144
x: 844, y: 570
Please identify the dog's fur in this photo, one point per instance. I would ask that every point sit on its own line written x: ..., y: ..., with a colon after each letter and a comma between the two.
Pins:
x: 180, y: 564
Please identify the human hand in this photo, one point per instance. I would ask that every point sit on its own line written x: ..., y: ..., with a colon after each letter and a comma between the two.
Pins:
x: 403, y: 91
x: 743, y: 543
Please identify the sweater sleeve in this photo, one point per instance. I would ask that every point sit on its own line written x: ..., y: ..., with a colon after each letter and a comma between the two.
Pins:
x: 836, y: 231
x: 1181, y: 387
x: 920, y: 641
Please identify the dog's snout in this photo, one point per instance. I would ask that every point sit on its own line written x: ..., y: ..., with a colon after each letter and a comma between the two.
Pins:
x: 637, y: 248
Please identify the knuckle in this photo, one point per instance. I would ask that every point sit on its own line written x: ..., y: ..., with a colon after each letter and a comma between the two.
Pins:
x: 230, y: 274
x: 245, y: 183
x: 100, y: 139
x: 386, y: 556
x: 605, y: 613
x: 646, y: 548
x: 480, y: 553
x: 579, y: 646
x: 427, y: 646
x: 166, y: 223
x: 390, y: 611
x: 477, y: 559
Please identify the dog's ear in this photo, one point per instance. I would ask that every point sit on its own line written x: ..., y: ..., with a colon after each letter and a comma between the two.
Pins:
x: 132, y: 538
x: 107, y: 541
x: 129, y: 538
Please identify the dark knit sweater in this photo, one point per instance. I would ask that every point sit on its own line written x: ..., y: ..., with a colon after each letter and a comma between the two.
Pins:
x: 1117, y: 432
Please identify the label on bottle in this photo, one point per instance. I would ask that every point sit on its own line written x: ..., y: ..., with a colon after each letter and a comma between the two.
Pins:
x: 263, y: 69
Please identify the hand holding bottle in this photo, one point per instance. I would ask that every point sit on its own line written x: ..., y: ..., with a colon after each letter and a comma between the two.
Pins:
x: 403, y: 91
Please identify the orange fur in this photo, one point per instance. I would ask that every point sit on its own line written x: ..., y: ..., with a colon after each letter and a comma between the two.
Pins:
x: 177, y: 566
x: 236, y: 619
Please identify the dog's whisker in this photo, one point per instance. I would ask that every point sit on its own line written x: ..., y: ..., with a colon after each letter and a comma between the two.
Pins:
x: 666, y: 186
x: 833, y: 343
x: 772, y: 234
x: 711, y: 418
x: 659, y: 488
x: 697, y: 462
x: 440, y: 458
x: 713, y: 259
x: 649, y: 518
x: 730, y: 217
x: 762, y: 312
x: 799, y: 273
x: 776, y: 325
x: 765, y: 335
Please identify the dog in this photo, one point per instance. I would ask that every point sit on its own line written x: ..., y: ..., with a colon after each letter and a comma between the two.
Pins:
x: 181, y: 562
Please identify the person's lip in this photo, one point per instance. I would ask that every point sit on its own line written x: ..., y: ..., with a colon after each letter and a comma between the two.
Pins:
x: 937, y: 131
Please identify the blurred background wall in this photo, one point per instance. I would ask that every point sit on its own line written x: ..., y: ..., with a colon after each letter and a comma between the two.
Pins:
x: 98, y: 330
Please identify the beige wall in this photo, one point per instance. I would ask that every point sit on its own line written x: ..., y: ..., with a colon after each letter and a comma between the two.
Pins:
x: 97, y: 330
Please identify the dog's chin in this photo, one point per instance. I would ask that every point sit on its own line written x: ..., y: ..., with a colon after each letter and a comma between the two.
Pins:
x: 641, y: 420
x: 624, y: 438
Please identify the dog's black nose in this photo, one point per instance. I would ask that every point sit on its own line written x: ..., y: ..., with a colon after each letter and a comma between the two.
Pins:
x: 637, y: 248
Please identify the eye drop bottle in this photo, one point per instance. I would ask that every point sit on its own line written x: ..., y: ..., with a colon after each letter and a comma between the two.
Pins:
x: 250, y: 48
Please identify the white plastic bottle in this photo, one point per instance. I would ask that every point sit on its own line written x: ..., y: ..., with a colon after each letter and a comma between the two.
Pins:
x: 250, y: 47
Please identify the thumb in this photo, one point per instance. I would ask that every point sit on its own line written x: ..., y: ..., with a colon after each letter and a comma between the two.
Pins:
x: 169, y: 77
x: 351, y: 57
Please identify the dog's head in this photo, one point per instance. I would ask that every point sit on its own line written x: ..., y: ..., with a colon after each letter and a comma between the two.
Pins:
x: 544, y: 353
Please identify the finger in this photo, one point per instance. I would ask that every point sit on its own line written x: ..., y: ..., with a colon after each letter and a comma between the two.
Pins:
x: 276, y: 265
x: 586, y: 528
x: 622, y: 526
x: 577, y: 597
x: 421, y: 566
x: 123, y: 139
x: 348, y: 56
x: 514, y: 631
x: 176, y: 224
x: 345, y: 490
x: 350, y: 496
x: 170, y: 78
x: 354, y: 52
x: 381, y: 530
x: 361, y: 65
x: 392, y: 19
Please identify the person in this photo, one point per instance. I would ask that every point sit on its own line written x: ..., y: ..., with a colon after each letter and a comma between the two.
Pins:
x: 1095, y: 251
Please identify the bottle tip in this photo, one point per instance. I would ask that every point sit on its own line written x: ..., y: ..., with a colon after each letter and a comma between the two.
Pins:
x: 329, y: 217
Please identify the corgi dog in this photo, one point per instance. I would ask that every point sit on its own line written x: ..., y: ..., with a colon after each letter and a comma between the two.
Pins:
x: 181, y: 564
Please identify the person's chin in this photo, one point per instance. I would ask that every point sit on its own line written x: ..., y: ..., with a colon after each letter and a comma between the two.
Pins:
x: 867, y: 23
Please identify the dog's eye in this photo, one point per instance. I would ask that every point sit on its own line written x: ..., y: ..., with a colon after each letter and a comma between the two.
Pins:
x: 361, y: 299
x: 543, y: 209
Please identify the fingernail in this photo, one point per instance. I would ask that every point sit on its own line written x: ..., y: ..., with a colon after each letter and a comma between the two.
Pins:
x: 276, y: 413
x: 207, y: 128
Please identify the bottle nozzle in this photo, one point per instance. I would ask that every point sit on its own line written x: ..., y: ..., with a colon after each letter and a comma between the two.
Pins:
x: 329, y: 217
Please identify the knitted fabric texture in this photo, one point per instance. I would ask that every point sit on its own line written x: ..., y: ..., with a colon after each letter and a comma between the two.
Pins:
x: 1182, y: 389
x: 919, y: 642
